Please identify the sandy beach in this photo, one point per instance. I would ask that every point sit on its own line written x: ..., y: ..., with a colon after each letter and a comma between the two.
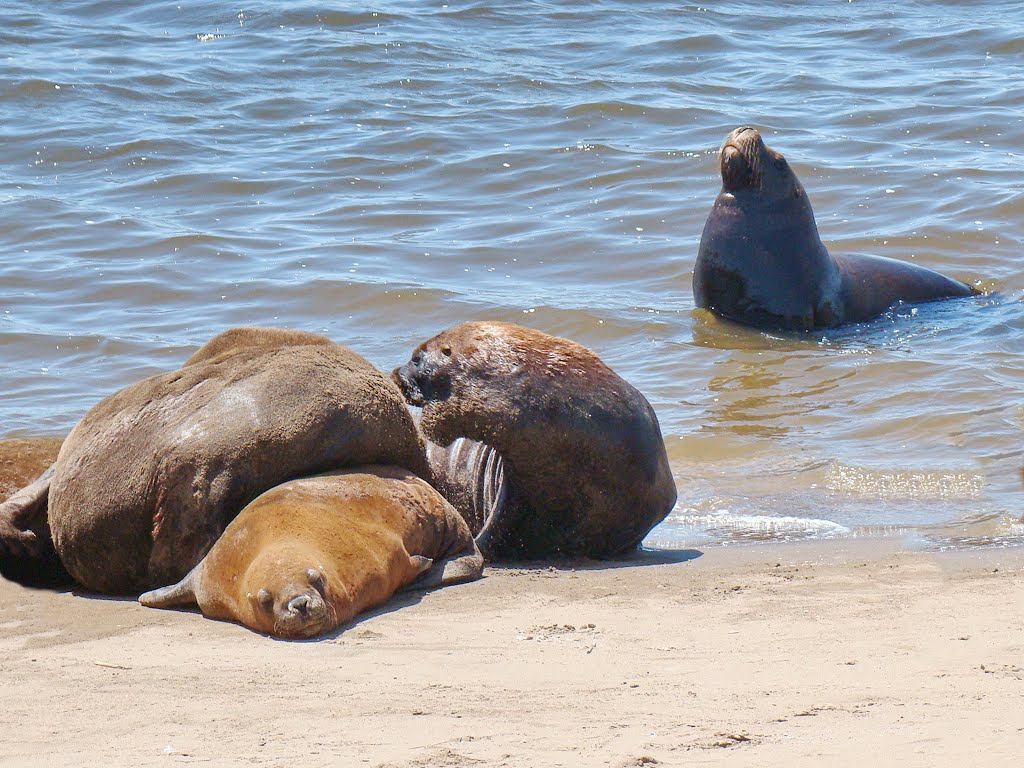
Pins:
x: 835, y: 653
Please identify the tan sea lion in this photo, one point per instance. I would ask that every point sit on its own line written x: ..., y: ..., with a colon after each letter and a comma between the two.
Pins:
x: 762, y: 263
x: 568, y: 457
x: 23, y: 460
x: 308, y: 555
x: 151, y: 475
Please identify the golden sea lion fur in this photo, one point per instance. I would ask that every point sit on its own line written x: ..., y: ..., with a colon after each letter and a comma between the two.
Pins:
x: 308, y: 555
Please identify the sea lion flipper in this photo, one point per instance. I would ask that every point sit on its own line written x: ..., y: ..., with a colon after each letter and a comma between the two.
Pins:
x: 176, y: 595
x: 467, y: 565
x: 420, y: 563
x: 471, y: 476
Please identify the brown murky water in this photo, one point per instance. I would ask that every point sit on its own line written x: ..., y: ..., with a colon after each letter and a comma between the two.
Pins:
x: 171, y: 170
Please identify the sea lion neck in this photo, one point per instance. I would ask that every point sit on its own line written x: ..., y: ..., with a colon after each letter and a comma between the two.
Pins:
x: 758, y: 213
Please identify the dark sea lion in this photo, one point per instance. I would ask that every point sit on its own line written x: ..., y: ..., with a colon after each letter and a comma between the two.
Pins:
x: 26, y: 553
x: 568, y: 458
x: 762, y: 263
x: 308, y: 555
x: 152, y: 474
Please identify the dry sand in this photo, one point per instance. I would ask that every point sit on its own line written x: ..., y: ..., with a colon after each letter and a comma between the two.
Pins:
x: 842, y: 654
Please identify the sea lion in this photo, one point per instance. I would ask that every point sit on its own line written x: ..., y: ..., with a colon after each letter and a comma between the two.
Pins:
x: 22, y: 460
x: 568, y: 458
x: 308, y: 555
x: 762, y: 263
x: 152, y: 474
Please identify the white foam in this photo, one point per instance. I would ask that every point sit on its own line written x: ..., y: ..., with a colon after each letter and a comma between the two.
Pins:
x: 777, y: 525
x: 688, y: 525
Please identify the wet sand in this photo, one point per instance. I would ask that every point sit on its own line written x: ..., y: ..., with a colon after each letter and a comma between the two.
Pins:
x: 843, y: 653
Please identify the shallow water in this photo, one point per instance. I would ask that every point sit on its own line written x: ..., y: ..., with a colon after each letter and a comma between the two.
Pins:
x: 171, y: 170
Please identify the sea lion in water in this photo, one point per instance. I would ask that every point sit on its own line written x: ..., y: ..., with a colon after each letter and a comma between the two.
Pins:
x: 152, y: 474
x: 568, y: 459
x: 308, y: 555
x: 22, y: 460
x: 762, y: 263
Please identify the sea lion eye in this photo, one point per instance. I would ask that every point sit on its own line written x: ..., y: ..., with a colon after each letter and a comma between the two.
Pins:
x: 446, y: 351
x: 316, y: 578
x: 780, y: 163
x: 265, y: 598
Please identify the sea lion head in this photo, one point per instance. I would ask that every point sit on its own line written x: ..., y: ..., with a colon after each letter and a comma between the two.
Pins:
x: 484, y: 351
x: 428, y: 374
x: 288, y: 597
x: 461, y: 373
x: 440, y: 366
x: 749, y: 165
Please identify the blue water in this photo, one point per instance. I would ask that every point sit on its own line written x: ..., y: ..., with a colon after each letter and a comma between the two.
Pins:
x: 172, y: 169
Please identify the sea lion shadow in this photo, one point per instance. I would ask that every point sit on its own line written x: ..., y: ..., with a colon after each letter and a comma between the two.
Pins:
x: 53, y: 587
x: 642, y: 556
x: 79, y: 591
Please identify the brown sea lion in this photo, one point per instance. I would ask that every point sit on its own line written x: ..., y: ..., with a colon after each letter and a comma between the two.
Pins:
x: 308, y: 555
x: 568, y: 459
x: 152, y: 474
x: 762, y: 263
x: 23, y: 460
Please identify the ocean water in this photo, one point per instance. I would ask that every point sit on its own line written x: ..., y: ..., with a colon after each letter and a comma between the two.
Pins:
x: 168, y: 170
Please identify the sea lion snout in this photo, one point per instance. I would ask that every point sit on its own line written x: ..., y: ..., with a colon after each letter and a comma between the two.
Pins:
x: 299, y: 604
x: 740, y: 159
x: 753, y: 134
x: 405, y: 377
x: 305, y: 614
x: 425, y: 377
x: 736, y: 171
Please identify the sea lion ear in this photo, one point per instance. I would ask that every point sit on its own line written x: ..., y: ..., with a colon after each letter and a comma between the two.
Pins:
x: 264, y: 598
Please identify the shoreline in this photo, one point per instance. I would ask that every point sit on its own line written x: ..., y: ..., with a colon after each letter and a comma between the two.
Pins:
x: 777, y: 653
x: 844, y: 549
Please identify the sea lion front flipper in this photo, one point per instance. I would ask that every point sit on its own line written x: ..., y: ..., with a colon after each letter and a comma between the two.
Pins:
x: 467, y: 565
x: 420, y: 567
x: 471, y: 476
x: 420, y: 564
x: 176, y: 595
